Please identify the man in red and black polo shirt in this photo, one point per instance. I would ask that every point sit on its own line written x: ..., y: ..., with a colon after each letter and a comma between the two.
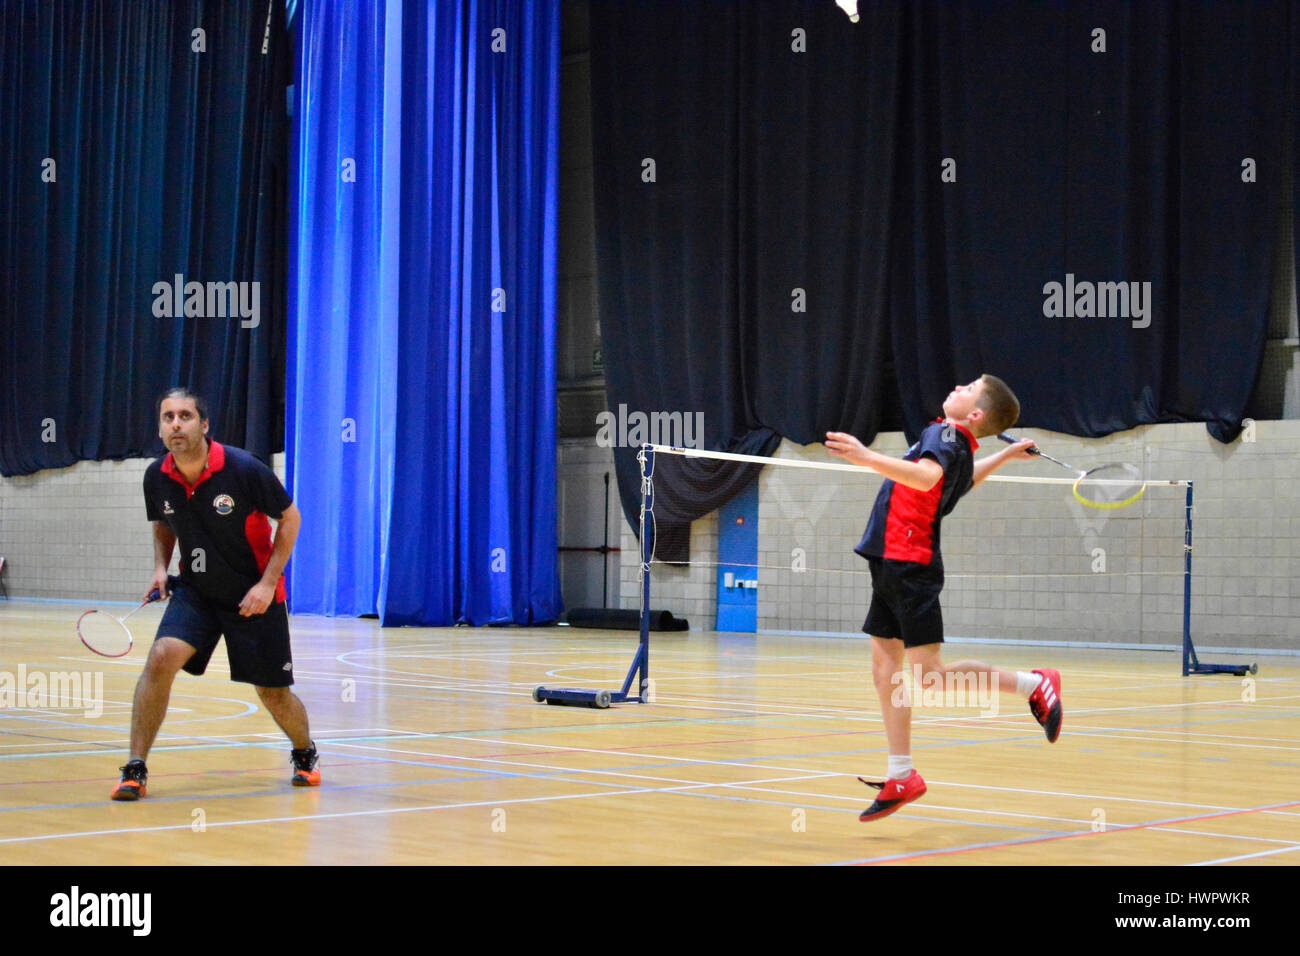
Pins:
x: 216, y: 500
x: 901, y: 545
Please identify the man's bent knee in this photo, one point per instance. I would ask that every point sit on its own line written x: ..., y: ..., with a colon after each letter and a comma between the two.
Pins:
x: 167, y: 656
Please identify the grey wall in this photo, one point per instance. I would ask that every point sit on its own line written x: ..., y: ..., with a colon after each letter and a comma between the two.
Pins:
x: 1022, y: 560
x: 80, y: 533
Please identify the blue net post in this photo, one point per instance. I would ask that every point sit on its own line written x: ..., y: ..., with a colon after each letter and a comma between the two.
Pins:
x: 1189, y: 652
x: 1191, y: 663
x: 647, y: 459
x: 640, y: 669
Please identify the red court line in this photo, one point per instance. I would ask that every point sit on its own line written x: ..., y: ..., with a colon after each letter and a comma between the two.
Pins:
x: 1082, y: 833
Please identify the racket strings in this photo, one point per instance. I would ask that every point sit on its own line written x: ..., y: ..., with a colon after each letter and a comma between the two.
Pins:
x: 1111, y: 485
x: 104, y: 634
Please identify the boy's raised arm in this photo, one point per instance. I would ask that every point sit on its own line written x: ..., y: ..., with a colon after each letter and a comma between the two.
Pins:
x: 986, y: 466
x: 922, y: 475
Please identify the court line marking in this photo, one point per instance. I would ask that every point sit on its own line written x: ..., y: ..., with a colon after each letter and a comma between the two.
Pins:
x: 989, y: 723
x: 743, y: 786
x: 1121, y: 828
x: 565, y: 774
x: 1247, y: 856
x: 558, y: 774
x: 221, y: 742
x: 1234, y: 836
x: 802, y: 775
x: 368, y: 813
x: 460, y: 685
x: 249, y: 710
x: 762, y: 766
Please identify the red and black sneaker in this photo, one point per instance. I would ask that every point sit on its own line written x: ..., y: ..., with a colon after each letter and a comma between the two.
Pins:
x: 893, y: 795
x: 305, y: 771
x: 131, y: 786
x: 1045, y: 703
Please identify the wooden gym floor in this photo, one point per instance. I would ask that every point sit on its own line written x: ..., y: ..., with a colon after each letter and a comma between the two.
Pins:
x: 433, y: 752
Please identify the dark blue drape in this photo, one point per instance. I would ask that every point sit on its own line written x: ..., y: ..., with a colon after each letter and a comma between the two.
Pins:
x: 128, y: 156
x: 421, y: 433
x: 846, y: 220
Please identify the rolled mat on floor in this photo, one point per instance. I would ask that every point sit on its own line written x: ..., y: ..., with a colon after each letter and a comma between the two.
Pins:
x: 622, y: 619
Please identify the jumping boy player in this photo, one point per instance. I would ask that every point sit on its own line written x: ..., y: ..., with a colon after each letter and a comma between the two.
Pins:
x: 901, y: 545
x: 216, y: 499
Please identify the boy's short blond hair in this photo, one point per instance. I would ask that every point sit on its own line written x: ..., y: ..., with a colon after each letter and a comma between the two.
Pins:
x: 1000, y: 405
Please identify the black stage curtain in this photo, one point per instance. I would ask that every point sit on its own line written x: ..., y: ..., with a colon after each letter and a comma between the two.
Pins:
x: 129, y: 157
x: 846, y: 220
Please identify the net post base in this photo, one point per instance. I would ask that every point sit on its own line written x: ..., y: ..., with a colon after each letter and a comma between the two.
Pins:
x: 1237, y: 670
x: 581, y: 697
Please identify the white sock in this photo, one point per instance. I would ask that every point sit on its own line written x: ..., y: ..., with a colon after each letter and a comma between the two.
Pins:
x: 900, y: 768
x: 1027, y: 683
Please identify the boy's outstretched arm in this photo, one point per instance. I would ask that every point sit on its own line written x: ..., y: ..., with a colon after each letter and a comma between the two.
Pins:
x: 986, y: 466
x: 922, y: 475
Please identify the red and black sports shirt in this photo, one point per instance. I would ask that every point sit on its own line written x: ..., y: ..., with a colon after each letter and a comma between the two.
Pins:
x: 222, y: 517
x: 904, y: 523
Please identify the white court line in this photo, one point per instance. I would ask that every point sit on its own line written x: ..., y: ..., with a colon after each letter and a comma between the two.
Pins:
x: 1167, y: 737
x: 1229, y: 836
x: 168, y: 742
x: 1027, y: 816
x: 986, y: 722
x: 754, y: 785
x: 833, y: 714
x: 990, y: 717
x: 743, y: 785
x: 1108, y: 735
x: 311, y: 818
x: 1245, y: 856
x: 761, y: 766
x: 1195, y: 703
x: 721, y: 699
x: 806, y: 775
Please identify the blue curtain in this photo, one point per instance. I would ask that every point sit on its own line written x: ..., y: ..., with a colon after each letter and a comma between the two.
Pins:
x: 134, y: 149
x: 421, y: 381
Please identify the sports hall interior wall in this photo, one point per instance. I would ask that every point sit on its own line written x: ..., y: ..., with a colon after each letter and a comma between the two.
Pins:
x: 79, y: 533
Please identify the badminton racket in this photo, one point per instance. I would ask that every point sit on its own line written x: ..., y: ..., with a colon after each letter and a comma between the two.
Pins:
x: 106, y: 635
x: 1113, y: 485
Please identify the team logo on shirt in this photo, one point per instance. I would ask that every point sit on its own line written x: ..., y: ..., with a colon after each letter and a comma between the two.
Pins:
x: 224, y: 504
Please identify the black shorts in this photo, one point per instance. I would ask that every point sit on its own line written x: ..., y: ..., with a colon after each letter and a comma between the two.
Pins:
x: 256, y: 647
x: 905, y: 602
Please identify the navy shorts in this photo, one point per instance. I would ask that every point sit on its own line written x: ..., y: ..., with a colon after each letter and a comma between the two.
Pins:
x: 905, y: 602
x: 256, y: 647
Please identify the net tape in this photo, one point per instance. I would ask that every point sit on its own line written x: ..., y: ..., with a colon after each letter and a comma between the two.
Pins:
x: 1121, y: 485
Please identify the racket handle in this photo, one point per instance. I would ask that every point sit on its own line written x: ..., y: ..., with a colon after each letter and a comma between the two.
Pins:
x: 154, y: 595
x: 1032, y: 449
